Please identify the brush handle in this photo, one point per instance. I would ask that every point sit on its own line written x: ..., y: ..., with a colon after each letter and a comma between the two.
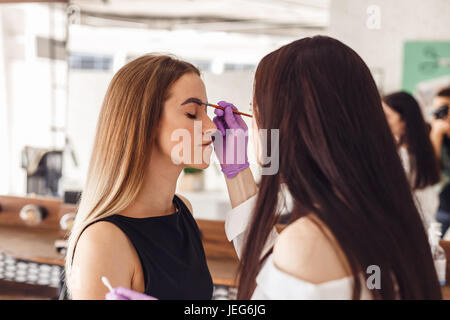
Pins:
x: 234, y: 111
x: 107, y: 284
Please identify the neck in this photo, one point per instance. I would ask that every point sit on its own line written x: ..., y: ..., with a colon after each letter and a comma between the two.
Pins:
x: 158, y: 189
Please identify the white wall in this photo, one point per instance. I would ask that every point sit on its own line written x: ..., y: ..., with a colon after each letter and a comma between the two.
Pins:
x: 4, y: 134
x: 86, y: 92
x: 186, y: 44
x: 401, y: 20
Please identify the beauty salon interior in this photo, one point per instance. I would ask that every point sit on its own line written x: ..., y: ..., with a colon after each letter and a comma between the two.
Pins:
x: 224, y: 149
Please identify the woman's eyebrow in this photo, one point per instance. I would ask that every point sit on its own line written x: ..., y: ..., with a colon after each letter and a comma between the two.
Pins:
x: 193, y: 100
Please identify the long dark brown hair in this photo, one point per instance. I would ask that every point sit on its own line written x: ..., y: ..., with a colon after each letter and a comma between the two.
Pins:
x: 338, y: 159
x: 424, y: 167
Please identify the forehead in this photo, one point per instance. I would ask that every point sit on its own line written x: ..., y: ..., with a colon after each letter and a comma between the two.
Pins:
x: 387, y: 108
x: 390, y: 113
x: 189, y: 85
x: 440, y: 101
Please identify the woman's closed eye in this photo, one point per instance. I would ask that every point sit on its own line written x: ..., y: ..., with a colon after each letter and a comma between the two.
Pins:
x: 191, y: 116
x: 196, y: 101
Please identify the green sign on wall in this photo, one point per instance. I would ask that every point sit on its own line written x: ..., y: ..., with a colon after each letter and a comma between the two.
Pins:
x: 424, y: 60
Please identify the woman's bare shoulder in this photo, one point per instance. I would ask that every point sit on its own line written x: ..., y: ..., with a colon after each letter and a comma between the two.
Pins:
x: 306, y: 249
x: 102, y: 233
x: 106, y: 242
x: 102, y: 250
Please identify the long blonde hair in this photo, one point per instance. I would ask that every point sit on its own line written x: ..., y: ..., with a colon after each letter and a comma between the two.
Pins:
x: 126, y: 132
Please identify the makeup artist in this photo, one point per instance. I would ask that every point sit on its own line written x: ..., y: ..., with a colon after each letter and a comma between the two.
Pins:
x: 440, y: 137
x: 353, y: 211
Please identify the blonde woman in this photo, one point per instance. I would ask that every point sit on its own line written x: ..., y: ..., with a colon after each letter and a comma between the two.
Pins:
x: 131, y: 227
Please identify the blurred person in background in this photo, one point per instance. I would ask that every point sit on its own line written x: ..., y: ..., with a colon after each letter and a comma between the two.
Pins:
x: 440, y: 138
x: 411, y: 133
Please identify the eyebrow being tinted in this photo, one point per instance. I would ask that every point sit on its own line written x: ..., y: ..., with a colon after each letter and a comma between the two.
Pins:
x: 193, y: 100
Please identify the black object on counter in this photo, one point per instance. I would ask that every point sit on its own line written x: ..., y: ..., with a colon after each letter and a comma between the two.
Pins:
x: 44, y: 169
x: 72, y: 197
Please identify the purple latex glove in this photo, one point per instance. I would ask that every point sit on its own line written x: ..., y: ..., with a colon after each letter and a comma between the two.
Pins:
x: 231, y: 126
x: 122, y: 293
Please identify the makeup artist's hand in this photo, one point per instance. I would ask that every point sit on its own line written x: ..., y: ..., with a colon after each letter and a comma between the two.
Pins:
x: 440, y: 126
x: 122, y: 293
x: 231, y: 126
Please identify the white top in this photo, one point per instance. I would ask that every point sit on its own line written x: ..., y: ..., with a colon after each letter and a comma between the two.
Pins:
x: 426, y: 199
x: 274, y: 284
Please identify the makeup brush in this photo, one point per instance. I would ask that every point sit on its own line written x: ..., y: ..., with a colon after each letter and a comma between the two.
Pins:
x: 234, y: 111
x: 199, y: 102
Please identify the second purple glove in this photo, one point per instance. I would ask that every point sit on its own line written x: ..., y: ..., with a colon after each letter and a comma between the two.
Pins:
x: 231, y: 150
x: 122, y: 293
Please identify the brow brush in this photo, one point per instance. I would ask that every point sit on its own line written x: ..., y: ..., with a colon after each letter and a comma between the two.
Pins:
x: 199, y: 102
x: 234, y: 111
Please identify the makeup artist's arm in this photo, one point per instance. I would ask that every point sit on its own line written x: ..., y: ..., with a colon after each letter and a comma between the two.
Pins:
x: 102, y: 250
x: 241, y: 187
x: 242, y: 191
x: 240, y: 182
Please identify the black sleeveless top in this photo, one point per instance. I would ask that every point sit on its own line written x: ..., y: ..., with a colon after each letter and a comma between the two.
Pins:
x: 171, y: 253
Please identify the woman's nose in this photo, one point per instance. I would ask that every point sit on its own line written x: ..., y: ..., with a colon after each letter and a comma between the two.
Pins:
x: 208, y: 127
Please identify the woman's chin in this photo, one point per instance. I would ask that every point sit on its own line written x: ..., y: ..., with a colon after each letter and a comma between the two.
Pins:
x: 201, y: 166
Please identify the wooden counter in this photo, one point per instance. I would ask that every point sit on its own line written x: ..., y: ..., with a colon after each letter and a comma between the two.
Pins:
x: 23, y: 291
x: 37, y: 245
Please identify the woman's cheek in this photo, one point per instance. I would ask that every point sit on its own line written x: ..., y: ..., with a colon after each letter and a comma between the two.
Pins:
x: 185, y: 143
x: 167, y: 143
x: 171, y: 141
